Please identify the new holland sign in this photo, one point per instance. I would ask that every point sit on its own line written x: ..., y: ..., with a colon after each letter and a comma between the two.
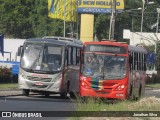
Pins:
x: 98, y: 6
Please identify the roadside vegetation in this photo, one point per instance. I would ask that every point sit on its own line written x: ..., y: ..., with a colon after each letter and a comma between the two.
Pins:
x: 144, y: 104
x: 156, y: 86
x: 8, y: 86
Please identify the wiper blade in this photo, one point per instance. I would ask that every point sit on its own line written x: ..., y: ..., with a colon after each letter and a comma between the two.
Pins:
x: 28, y: 70
x: 37, y: 57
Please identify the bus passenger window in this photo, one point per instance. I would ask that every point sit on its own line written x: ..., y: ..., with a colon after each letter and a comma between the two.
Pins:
x: 130, y: 61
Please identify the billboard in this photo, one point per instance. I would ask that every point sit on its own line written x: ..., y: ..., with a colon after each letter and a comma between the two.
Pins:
x: 98, y: 6
x: 62, y: 9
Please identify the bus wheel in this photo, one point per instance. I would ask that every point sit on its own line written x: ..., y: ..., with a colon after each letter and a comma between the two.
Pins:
x: 64, y: 92
x: 63, y: 95
x: 46, y: 94
x: 131, y: 93
x: 25, y: 92
x: 72, y: 95
x: 83, y: 99
x: 140, y: 91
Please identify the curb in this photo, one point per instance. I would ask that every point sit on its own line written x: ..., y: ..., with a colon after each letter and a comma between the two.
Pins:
x: 10, y: 92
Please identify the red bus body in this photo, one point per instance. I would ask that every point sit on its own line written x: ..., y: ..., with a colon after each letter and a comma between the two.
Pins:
x: 127, y: 82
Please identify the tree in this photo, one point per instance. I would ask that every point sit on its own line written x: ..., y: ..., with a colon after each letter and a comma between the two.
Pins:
x: 14, y: 18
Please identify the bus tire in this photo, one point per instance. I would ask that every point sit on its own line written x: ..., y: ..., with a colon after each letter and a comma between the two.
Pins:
x: 131, y: 92
x: 25, y: 92
x: 140, y: 91
x: 63, y: 95
x: 72, y: 95
x: 46, y: 94
x: 64, y: 92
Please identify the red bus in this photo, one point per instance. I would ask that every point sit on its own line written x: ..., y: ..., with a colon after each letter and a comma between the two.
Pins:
x: 112, y: 70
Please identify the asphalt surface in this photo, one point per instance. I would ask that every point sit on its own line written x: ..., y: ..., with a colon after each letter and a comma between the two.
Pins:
x: 17, y: 92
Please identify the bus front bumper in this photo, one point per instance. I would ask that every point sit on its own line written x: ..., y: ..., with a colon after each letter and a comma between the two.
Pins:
x: 85, y: 92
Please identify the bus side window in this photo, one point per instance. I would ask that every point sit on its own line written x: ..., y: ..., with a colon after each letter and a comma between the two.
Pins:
x: 78, y: 56
x: 130, y: 61
x: 145, y: 62
x: 133, y: 67
x: 69, y: 55
x: 136, y: 60
x: 66, y: 58
x: 141, y: 61
x: 74, y: 56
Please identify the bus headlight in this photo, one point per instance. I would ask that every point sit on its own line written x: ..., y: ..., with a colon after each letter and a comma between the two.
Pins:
x: 121, y: 87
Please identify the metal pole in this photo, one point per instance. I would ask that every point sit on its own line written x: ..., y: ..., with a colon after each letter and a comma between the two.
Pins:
x: 64, y: 21
x: 142, y: 20
x: 132, y: 23
x: 155, y: 49
x: 158, y: 11
x: 112, y: 21
x: 77, y: 19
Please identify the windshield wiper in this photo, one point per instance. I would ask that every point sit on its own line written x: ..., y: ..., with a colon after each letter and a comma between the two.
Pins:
x: 37, y: 57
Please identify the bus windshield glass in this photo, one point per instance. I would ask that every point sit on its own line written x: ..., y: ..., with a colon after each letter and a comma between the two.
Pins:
x: 104, y: 66
x: 42, y: 58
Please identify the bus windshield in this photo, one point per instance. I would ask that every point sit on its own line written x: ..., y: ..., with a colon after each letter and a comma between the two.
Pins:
x: 42, y: 58
x: 104, y: 66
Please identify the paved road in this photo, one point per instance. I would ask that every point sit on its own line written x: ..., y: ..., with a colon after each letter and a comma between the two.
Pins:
x: 14, y: 101
x: 148, y: 92
x: 152, y: 92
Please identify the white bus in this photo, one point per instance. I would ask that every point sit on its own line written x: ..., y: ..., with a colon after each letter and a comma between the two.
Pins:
x: 49, y: 65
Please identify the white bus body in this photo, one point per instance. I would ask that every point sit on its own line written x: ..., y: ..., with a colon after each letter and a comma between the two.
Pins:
x: 49, y: 65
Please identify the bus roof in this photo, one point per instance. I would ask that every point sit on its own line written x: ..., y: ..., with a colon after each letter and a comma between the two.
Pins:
x: 56, y: 40
x: 130, y: 47
x: 64, y: 39
x: 136, y: 49
x: 107, y: 42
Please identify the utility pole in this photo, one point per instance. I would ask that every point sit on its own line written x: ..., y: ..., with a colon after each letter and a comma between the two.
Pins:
x: 155, y: 49
x: 112, y: 20
x: 143, y: 3
x: 64, y: 21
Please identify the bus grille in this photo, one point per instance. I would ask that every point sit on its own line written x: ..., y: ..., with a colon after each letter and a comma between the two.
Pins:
x: 39, y: 79
x: 106, y: 86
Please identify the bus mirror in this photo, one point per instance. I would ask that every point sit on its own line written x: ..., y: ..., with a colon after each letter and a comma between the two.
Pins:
x: 20, y: 48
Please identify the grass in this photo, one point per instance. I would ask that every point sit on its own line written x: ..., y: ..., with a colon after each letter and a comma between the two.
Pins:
x: 153, y: 85
x: 8, y: 86
x: 144, y: 104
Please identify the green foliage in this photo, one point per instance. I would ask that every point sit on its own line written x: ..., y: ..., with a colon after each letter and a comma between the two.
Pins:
x: 97, y: 104
x: 5, y: 74
x: 154, y: 79
x: 29, y: 18
x: 102, y: 23
x: 8, y: 86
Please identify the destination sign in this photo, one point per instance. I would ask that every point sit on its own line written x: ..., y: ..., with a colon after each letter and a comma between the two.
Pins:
x: 105, y: 48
